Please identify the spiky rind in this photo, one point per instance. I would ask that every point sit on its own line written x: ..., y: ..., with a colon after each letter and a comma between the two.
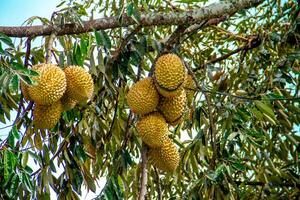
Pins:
x: 24, y: 89
x: 46, y: 116
x: 50, y: 84
x: 68, y: 103
x: 153, y: 129
x: 169, y: 74
x: 80, y: 86
x: 142, y: 97
x: 173, y: 108
x: 165, y: 158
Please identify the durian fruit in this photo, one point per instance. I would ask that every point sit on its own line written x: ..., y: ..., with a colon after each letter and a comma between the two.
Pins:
x: 46, y: 116
x: 24, y: 89
x: 169, y: 75
x: 153, y: 129
x: 142, y: 97
x: 173, y: 108
x: 50, y: 84
x: 80, y: 86
x: 165, y: 158
x: 68, y: 103
x: 190, y: 88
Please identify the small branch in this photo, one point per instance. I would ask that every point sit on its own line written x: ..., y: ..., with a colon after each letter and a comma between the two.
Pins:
x: 27, y: 54
x: 253, y: 42
x: 28, y: 48
x: 158, y: 184
x: 53, y: 157
x: 229, y: 34
x: 50, y: 46
x: 123, y: 44
x: 249, y: 98
x: 109, y: 133
x: 215, y: 10
x: 144, y: 178
x: 257, y: 183
x: 215, y: 60
x: 127, y: 132
x: 174, y: 38
x: 213, y: 132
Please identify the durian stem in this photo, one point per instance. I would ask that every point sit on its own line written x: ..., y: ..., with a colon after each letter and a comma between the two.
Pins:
x: 49, y: 47
x: 144, y: 175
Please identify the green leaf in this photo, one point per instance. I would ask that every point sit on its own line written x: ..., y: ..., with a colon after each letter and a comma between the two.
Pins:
x: 6, y: 40
x: 11, y: 139
x: 14, y: 183
x: 24, y: 159
x: 266, y: 111
x: 26, y: 181
x: 15, y: 132
x: 129, y: 9
x: 105, y: 39
x: 98, y: 38
x: 9, y: 161
x: 15, y: 83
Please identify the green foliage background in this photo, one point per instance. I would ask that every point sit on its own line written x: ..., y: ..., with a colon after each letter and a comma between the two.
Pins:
x: 254, y: 94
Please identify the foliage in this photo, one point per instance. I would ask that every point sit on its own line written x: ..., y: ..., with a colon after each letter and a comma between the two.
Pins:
x: 254, y: 95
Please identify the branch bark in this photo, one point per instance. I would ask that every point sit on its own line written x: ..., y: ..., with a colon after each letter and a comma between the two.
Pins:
x: 144, y: 175
x: 215, y: 10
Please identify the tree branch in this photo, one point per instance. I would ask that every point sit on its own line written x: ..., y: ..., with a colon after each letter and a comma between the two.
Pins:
x: 124, y: 42
x: 49, y: 47
x: 215, y: 10
x: 257, y: 183
x: 253, y: 42
x: 144, y: 177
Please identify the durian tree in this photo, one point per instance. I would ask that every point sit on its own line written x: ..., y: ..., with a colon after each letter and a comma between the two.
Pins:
x: 78, y: 105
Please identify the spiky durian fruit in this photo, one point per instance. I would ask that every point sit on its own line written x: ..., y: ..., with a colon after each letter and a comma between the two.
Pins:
x: 165, y: 158
x: 50, y: 84
x: 173, y: 108
x: 24, y: 89
x: 169, y: 74
x: 46, y: 116
x: 153, y: 129
x: 142, y: 97
x: 190, y: 88
x: 80, y: 86
x: 68, y: 103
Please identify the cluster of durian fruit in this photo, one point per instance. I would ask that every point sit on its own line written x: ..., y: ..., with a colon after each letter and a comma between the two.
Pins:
x: 55, y: 91
x: 160, y: 101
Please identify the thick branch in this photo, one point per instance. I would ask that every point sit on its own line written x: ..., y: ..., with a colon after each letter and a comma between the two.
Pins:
x: 215, y: 10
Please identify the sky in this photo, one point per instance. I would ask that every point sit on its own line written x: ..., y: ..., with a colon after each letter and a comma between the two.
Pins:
x: 15, y: 13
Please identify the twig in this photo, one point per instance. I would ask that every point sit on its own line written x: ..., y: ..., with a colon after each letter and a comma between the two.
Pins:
x: 143, y: 185
x: 127, y: 132
x: 273, y: 184
x: 237, y: 37
x: 174, y: 38
x: 212, y: 61
x: 210, y: 115
x: 27, y: 54
x: 253, y: 42
x: 124, y: 42
x: 213, y: 133
x: 50, y: 46
x: 109, y: 134
x: 158, y: 184
x: 53, y: 157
